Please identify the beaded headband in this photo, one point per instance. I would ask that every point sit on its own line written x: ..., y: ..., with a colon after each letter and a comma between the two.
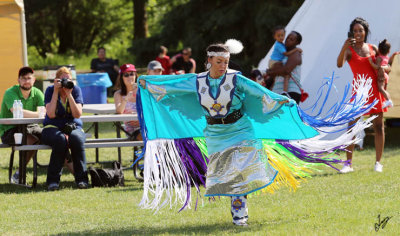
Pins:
x: 218, y: 54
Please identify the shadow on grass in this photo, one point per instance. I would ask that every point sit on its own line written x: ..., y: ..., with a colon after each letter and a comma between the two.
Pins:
x: 8, y: 188
x: 130, y: 184
x: 324, y: 174
x: 201, y: 229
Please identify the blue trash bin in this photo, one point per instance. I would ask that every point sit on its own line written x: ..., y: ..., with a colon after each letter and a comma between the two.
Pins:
x: 94, y: 87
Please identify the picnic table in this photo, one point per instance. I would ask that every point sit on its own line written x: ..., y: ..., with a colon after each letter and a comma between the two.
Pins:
x: 108, y: 108
x: 96, y: 109
x: 22, y: 123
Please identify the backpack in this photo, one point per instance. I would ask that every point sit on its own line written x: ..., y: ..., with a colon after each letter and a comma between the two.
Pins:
x: 107, y: 177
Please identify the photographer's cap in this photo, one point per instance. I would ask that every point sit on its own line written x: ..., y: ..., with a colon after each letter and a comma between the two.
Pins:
x: 154, y: 65
x: 127, y: 68
x: 25, y: 70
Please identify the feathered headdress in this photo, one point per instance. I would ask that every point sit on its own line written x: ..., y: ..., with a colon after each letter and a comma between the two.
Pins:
x: 234, y: 46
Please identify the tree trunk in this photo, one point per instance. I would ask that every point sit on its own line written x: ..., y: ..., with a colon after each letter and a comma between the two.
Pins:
x: 139, y: 19
x: 64, y: 27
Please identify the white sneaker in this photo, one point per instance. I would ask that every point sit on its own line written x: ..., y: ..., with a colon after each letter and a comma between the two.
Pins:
x: 15, y: 178
x: 387, y: 103
x: 346, y: 169
x: 378, y: 167
x: 242, y: 222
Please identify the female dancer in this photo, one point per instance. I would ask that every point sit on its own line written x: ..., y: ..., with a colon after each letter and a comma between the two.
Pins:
x: 221, y: 123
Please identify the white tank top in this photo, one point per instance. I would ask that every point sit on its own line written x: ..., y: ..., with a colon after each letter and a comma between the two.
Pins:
x: 296, y: 74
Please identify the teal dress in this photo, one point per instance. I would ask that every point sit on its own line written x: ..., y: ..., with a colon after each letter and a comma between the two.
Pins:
x: 181, y: 149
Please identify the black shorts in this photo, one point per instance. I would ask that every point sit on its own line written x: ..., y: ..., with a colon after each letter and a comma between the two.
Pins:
x: 295, y: 96
x: 32, y: 129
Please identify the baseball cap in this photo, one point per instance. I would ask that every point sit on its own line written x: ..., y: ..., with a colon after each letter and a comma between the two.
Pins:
x: 25, y: 70
x: 154, y: 65
x: 126, y: 68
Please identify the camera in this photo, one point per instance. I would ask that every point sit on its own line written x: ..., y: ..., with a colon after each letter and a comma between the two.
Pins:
x: 68, y: 128
x: 67, y: 83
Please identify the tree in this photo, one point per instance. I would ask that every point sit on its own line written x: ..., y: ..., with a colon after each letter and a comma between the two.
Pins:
x: 63, y: 26
x: 199, y: 23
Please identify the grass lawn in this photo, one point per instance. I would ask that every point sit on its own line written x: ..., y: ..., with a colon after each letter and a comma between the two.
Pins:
x: 327, y: 204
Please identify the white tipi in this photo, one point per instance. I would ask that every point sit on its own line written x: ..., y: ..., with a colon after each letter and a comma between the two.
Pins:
x: 324, y: 25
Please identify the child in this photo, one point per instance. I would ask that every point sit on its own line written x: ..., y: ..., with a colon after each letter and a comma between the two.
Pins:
x: 382, y: 60
x: 279, y: 53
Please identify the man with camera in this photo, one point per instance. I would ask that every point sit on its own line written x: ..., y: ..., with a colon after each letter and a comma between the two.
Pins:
x: 63, y: 129
x: 31, y: 98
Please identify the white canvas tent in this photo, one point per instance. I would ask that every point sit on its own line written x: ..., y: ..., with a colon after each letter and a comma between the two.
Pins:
x: 324, y: 25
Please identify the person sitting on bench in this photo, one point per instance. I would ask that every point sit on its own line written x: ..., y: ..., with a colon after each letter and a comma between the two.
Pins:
x: 125, y: 99
x: 63, y: 129
x: 31, y: 98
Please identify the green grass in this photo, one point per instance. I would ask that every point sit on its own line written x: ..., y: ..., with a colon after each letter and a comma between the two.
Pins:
x: 327, y: 204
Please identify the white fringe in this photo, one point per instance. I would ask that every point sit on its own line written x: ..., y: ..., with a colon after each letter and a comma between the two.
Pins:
x: 363, y: 85
x: 319, y: 144
x: 363, y: 92
x: 164, y: 176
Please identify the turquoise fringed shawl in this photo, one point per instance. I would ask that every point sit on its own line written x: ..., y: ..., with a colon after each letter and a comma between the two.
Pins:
x: 178, y: 113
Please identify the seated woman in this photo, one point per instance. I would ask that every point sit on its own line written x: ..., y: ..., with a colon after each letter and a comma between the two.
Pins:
x: 125, y: 99
x: 63, y: 129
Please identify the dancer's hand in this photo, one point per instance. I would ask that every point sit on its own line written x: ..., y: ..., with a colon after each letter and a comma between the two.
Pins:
x: 283, y: 102
x: 143, y: 83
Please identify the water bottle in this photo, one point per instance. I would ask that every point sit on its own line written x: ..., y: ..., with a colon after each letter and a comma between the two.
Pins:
x: 15, y: 109
x: 20, y: 109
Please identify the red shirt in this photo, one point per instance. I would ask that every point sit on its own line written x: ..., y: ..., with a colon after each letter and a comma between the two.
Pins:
x: 165, y: 63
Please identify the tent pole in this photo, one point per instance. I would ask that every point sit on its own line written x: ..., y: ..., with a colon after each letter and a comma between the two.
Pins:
x: 23, y: 31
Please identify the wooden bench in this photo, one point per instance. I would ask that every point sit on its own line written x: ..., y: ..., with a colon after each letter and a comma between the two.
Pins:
x: 90, y: 143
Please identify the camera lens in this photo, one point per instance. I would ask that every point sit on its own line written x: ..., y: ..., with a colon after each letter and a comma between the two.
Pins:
x: 66, y: 83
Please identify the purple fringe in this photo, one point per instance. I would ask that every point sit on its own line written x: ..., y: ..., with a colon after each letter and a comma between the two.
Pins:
x: 194, y: 164
x: 312, y: 157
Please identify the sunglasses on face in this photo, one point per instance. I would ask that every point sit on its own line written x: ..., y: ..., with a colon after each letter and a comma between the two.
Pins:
x: 128, y: 74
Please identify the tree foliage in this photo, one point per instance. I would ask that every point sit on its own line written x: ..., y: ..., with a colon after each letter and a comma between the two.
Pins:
x: 63, y: 26
x: 199, y: 23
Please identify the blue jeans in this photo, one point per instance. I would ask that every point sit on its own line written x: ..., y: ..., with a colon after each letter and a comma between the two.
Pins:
x: 58, y: 142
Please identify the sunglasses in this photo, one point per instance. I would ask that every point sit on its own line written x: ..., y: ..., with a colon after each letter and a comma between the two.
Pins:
x: 128, y: 74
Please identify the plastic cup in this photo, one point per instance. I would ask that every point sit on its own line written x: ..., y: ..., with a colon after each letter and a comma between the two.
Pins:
x: 41, y: 111
x: 18, y: 138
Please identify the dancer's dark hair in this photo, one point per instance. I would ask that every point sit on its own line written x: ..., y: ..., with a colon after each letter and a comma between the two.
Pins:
x: 218, y: 47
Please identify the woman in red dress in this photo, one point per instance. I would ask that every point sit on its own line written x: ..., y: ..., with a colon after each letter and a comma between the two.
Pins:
x: 356, y: 52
